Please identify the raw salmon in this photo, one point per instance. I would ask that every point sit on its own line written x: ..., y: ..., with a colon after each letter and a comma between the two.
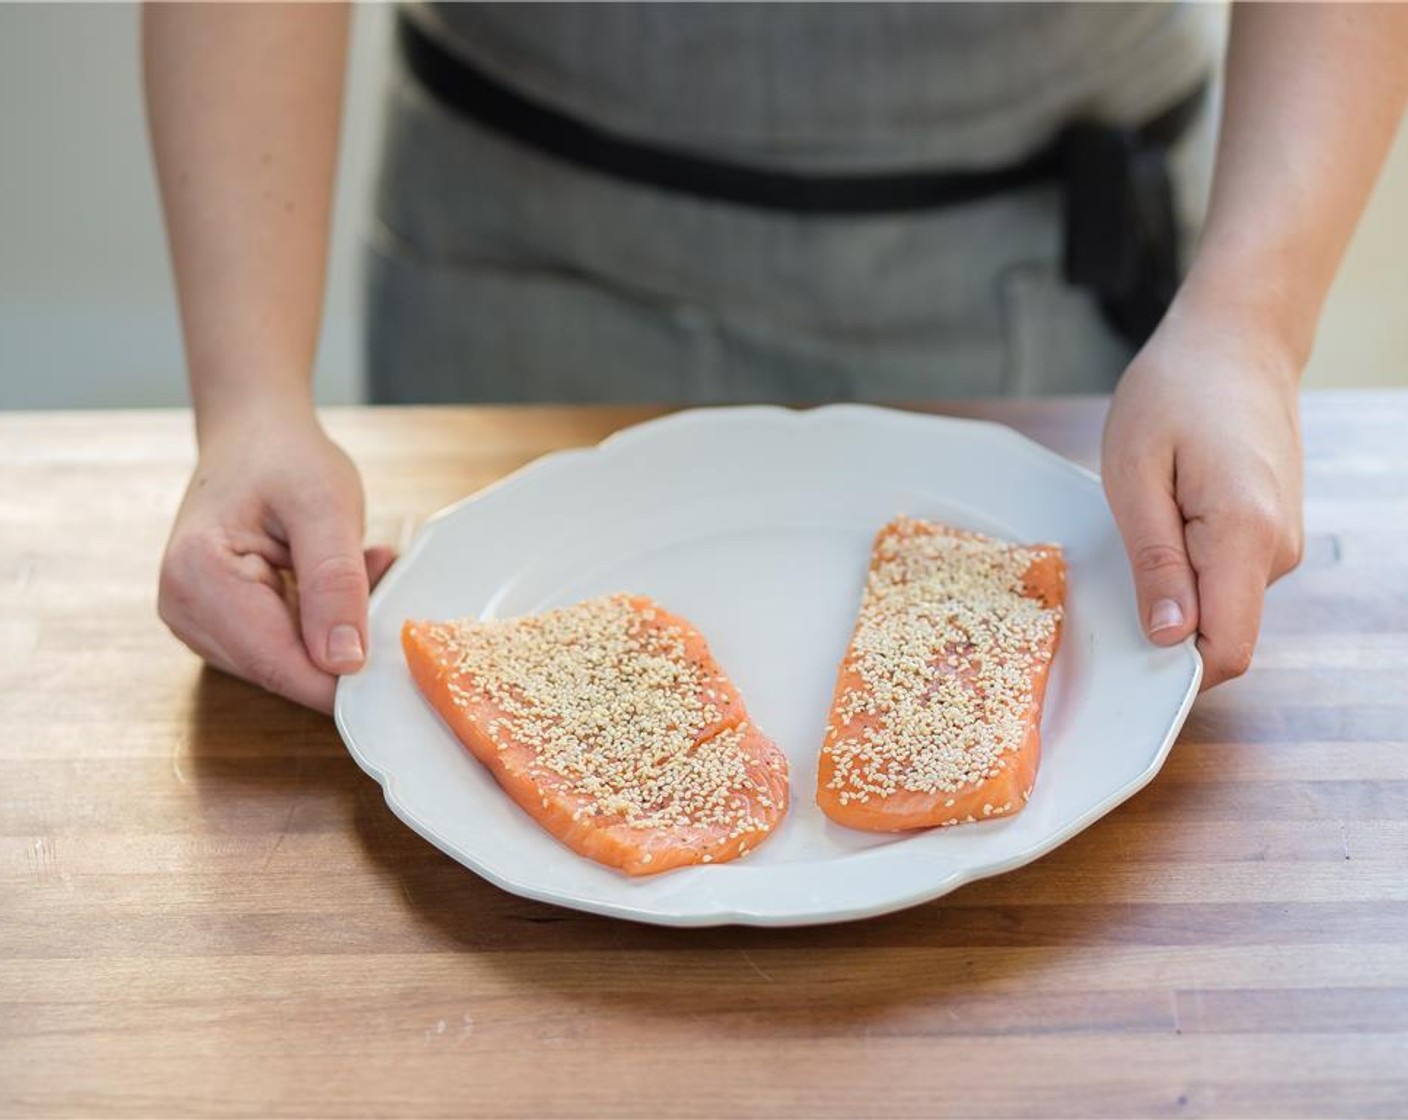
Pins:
x: 611, y: 724
x: 937, y: 711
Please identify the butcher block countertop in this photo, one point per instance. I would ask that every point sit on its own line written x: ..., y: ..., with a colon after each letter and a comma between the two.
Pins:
x: 206, y: 908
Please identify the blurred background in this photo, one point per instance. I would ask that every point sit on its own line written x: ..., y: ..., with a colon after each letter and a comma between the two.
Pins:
x: 87, y: 313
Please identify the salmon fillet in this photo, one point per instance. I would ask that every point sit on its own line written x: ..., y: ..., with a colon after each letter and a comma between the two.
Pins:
x: 937, y: 710
x: 612, y: 726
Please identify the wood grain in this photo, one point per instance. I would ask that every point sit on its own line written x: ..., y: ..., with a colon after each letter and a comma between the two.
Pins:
x: 207, y: 910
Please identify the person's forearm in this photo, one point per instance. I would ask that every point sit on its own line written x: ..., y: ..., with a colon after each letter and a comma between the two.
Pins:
x: 1313, y: 96
x: 244, y: 103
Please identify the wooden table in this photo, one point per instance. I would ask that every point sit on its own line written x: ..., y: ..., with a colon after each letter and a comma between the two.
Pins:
x: 206, y: 908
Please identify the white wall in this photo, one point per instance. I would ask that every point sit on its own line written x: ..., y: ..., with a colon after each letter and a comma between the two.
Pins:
x: 87, y: 314
x: 86, y: 311
x: 1363, y: 336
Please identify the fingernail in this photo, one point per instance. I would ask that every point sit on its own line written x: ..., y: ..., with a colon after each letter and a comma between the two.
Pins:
x: 345, y: 645
x: 1165, y: 615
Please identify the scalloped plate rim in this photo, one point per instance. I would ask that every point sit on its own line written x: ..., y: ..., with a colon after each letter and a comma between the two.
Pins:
x: 624, y: 440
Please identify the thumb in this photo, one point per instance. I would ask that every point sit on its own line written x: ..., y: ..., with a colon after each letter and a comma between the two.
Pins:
x: 332, y: 587
x: 1164, y: 580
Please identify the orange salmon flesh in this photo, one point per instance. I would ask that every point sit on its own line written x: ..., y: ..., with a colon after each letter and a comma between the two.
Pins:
x: 612, y: 726
x: 936, y: 714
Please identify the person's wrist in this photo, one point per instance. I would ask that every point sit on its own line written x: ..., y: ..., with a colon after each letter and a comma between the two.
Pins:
x: 1251, y: 307
x: 252, y: 410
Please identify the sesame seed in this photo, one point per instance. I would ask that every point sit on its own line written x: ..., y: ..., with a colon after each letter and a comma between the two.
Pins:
x: 613, y: 709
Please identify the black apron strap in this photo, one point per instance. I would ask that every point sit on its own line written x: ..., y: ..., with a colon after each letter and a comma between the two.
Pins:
x: 1122, y: 238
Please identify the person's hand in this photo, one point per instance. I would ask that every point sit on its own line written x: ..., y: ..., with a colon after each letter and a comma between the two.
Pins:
x: 1202, y: 467
x: 272, y: 496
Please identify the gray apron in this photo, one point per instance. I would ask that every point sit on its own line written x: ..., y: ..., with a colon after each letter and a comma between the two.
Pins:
x: 497, y: 273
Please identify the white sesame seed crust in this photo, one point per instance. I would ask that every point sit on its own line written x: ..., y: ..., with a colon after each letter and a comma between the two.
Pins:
x: 937, y: 685
x: 621, y: 724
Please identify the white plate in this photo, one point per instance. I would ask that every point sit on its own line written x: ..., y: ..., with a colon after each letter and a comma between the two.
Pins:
x: 755, y: 524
